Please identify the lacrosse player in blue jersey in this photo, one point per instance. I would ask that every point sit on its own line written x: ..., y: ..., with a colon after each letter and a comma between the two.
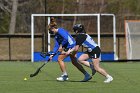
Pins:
x: 66, y: 43
x: 93, y: 51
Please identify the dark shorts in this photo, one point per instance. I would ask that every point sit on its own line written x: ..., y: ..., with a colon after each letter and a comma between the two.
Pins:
x: 95, y: 53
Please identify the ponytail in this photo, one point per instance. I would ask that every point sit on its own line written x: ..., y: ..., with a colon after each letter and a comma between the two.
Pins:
x: 53, y: 23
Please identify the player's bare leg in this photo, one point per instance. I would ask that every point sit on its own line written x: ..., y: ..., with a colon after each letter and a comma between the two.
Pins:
x: 64, y: 75
x: 79, y: 67
x: 82, y: 59
x: 97, y: 67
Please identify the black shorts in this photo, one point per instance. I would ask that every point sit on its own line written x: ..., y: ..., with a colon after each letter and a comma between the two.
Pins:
x: 95, y: 53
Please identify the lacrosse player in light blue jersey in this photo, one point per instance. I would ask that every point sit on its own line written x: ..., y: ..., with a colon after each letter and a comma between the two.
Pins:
x: 93, y: 51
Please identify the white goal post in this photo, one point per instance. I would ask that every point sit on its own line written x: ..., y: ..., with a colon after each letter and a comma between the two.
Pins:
x: 72, y: 15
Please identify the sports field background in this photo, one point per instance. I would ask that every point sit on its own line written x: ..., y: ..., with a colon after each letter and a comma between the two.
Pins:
x: 126, y: 78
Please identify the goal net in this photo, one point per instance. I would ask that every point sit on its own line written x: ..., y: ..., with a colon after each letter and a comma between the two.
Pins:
x: 132, y: 29
x: 95, y: 25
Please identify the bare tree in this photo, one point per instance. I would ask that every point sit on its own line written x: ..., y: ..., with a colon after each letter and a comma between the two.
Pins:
x: 13, y: 17
x: 3, y: 7
x: 102, y: 6
x: 81, y: 6
x: 76, y: 10
x: 63, y: 10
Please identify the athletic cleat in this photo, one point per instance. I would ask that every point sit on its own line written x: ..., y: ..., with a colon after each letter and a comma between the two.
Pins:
x: 87, y: 78
x: 108, y: 80
x: 92, y: 69
x: 62, y: 78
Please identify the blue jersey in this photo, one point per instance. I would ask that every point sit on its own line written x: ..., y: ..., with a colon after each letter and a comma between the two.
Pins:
x: 62, y: 37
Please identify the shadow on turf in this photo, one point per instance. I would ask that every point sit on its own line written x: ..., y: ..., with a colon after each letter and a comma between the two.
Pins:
x: 80, y: 81
x: 72, y: 81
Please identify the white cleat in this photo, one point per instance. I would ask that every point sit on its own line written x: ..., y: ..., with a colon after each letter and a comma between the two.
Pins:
x: 62, y: 78
x: 108, y: 80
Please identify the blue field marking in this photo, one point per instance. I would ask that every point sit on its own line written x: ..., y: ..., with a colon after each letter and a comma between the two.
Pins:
x: 104, y: 57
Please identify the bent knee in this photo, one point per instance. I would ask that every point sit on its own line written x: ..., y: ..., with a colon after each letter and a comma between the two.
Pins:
x: 60, y: 59
x: 80, y: 60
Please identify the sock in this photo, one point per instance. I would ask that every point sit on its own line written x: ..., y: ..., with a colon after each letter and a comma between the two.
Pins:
x: 108, y: 76
x: 86, y: 74
x: 64, y: 73
x: 93, y: 69
x: 91, y: 66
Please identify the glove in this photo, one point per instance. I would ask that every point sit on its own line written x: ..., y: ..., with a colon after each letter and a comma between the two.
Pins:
x: 51, y: 53
x: 43, y: 54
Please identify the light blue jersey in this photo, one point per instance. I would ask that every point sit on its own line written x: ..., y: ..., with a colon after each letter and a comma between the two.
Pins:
x: 89, y: 43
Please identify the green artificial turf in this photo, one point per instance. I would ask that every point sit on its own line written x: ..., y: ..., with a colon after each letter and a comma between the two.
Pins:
x: 126, y: 78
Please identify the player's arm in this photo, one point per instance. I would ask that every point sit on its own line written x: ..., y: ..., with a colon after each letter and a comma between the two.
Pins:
x: 56, y: 46
x: 55, y: 49
x: 60, y: 48
x: 79, y: 40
